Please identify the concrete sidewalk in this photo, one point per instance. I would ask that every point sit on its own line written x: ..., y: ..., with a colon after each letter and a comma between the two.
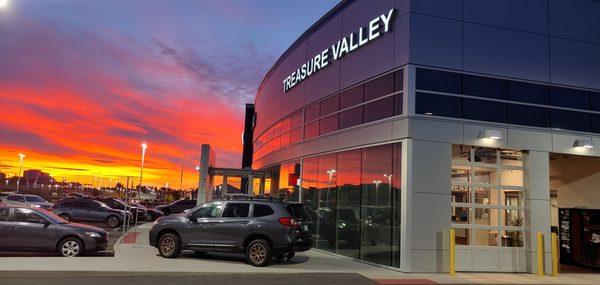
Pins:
x: 134, y: 257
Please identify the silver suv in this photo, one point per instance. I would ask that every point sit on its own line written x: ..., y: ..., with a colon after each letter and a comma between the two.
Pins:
x: 262, y: 229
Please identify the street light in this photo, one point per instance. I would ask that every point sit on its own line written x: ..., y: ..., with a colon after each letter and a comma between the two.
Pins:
x: 377, y: 182
x: 3, y: 3
x: 144, y: 147
x: 389, y: 177
x: 21, y: 157
x: 330, y: 172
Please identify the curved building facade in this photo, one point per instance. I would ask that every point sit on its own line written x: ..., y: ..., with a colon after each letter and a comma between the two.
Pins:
x: 396, y: 121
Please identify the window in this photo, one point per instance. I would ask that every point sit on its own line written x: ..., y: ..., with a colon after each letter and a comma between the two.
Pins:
x: 435, y: 80
x: 595, y: 123
x: 4, y: 214
x: 595, y: 101
x: 208, y: 211
x: 380, y: 109
x: 351, y: 97
x: 67, y: 204
x: 328, y: 124
x: 312, y: 113
x: 527, y: 115
x: 492, y: 214
x: 570, y: 98
x: 398, y: 104
x: 236, y: 210
x: 484, y: 87
x: 296, y: 135
x: 351, y: 117
x: 528, y: 92
x: 28, y: 216
x: 311, y: 130
x: 569, y: 120
x: 262, y: 211
x: 79, y: 204
x: 399, y: 77
x: 483, y: 110
x: 15, y: 198
x: 438, y: 105
x: 330, y: 105
x: 379, y: 87
x: 296, y: 120
x: 32, y: 198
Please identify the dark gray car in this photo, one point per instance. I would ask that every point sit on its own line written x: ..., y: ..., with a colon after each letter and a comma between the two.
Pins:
x: 34, y: 229
x: 87, y: 210
x: 262, y: 229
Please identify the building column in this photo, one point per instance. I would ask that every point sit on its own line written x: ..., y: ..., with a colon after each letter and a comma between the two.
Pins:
x: 426, y: 170
x: 537, y: 207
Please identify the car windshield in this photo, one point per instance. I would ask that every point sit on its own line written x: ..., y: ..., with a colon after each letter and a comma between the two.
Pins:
x: 33, y: 198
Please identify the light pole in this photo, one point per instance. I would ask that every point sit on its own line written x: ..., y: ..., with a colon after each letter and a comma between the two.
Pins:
x: 330, y: 174
x: 21, y: 157
x: 144, y: 147
x: 377, y: 182
x: 389, y: 177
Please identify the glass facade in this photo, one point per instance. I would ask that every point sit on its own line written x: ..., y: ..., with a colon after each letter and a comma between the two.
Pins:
x: 449, y: 94
x: 487, y: 197
x: 374, y: 100
x: 354, y: 201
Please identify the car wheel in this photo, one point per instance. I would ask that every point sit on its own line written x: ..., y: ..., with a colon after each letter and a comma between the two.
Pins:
x: 169, y: 246
x: 65, y: 217
x: 112, y: 221
x: 259, y: 253
x: 70, y: 247
x: 290, y: 255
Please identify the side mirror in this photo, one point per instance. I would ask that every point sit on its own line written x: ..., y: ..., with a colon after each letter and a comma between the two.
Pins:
x: 192, y: 219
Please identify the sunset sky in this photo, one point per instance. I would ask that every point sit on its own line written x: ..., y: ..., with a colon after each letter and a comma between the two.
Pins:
x: 84, y: 83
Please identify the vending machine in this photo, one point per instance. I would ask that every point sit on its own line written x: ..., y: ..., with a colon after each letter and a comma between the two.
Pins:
x: 579, y: 236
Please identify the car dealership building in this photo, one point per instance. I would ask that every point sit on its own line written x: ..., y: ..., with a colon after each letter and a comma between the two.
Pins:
x: 396, y: 121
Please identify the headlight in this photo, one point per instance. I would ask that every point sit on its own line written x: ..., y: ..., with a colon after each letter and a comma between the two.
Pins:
x: 93, y: 234
x: 36, y: 206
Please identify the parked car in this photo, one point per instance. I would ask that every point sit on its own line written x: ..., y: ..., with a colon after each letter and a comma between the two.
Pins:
x: 27, y: 201
x: 3, y: 196
x: 151, y: 214
x: 117, y: 204
x: 262, y: 229
x: 177, y: 207
x: 35, y: 229
x: 88, y: 210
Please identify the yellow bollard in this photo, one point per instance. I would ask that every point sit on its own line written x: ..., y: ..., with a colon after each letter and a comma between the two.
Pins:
x: 554, y: 255
x: 452, y: 252
x: 540, y: 254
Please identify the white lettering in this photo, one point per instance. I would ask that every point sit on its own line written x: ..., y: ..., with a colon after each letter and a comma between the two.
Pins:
x: 341, y: 48
x: 386, y: 20
x: 373, y: 26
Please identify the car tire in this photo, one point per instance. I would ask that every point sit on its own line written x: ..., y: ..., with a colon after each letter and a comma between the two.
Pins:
x: 113, y: 221
x: 259, y: 252
x: 290, y: 255
x: 169, y: 245
x: 70, y: 247
x: 65, y: 217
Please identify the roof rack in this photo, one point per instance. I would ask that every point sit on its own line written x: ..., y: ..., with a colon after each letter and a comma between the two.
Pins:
x: 238, y: 196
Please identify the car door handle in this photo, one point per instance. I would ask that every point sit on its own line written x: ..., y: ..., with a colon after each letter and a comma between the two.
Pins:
x: 245, y: 223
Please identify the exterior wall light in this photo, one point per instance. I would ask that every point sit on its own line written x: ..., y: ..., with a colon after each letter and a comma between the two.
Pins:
x: 490, y: 134
x: 585, y: 143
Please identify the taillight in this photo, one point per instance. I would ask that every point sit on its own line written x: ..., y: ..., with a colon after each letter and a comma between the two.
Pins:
x: 288, y: 222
